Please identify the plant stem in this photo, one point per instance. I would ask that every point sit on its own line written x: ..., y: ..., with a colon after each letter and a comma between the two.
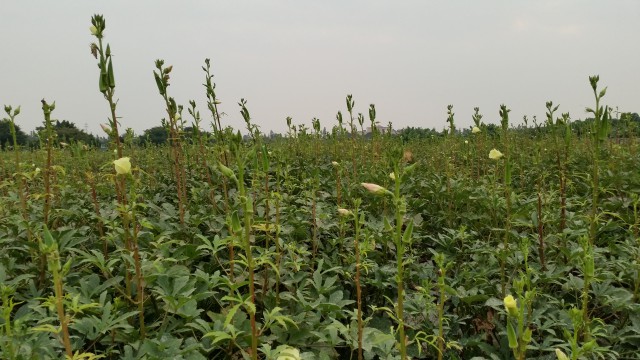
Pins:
x: 400, y: 266
x: 248, y: 212
x: 356, y: 247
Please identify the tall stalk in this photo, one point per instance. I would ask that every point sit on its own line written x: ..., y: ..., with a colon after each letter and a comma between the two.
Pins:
x: 599, y: 133
x: 107, y: 85
x: 16, y: 151
x: 401, y: 209
x: 106, y: 81
x: 50, y: 134
x: 247, y: 210
x: 504, y: 114
x: 353, y: 130
x: 212, y: 105
x: 49, y: 249
x: 399, y: 239
x: 442, y: 269
x: 123, y: 169
x: 356, y: 249
x: 173, y: 111
x: 448, y: 163
x: 248, y: 214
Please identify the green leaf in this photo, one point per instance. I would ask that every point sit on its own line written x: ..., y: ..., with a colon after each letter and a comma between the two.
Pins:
x: 217, y: 336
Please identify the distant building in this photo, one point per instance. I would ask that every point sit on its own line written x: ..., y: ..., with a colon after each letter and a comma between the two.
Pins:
x: 382, y: 129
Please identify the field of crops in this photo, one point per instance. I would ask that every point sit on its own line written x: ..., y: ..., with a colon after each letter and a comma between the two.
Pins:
x: 496, y: 242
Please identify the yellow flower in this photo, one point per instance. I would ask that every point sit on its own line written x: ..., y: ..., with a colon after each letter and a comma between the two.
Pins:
x: 335, y: 163
x: 392, y: 176
x: 511, y: 305
x: 495, y: 154
x: 561, y: 355
x: 475, y: 130
x: 93, y: 29
x: 344, y: 212
x: 122, y: 165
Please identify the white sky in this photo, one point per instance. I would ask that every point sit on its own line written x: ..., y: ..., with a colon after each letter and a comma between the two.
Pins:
x: 301, y: 58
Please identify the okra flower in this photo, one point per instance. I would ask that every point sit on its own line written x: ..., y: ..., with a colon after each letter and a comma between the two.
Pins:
x: 122, y: 165
x: 94, y: 30
x: 289, y: 353
x: 475, y: 130
x: 495, y: 154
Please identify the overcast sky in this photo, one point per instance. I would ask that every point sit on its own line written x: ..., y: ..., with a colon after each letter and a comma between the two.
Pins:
x: 301, y: 58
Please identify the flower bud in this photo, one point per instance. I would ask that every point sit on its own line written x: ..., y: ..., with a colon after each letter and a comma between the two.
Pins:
x: 511, y: 305
x: 561, y: 355
x: 392, y: 176
x: 106, y: 129
x: 94, y: 30
x: 475, y: 130
x: 344, y: 212
x: 376, y: 189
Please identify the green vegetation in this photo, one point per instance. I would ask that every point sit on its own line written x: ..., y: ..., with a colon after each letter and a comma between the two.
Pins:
x: 493, y: 242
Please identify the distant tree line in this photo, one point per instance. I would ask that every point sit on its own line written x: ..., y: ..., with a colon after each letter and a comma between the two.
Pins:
x: 627, y: 124
x: 65, y: 130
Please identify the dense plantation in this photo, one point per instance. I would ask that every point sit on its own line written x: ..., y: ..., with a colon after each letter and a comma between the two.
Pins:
x: 497, y: 242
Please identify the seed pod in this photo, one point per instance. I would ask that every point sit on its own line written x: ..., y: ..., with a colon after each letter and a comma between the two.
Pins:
x: 235, y: 222
x: 511, y: 335
x: 112, y: 80
x: 103, y: 82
